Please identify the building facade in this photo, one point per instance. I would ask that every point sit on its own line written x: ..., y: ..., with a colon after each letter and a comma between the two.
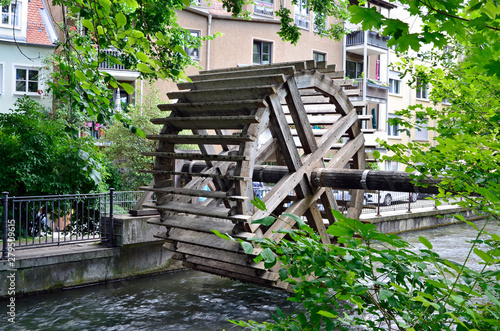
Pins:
x: 27, y: 38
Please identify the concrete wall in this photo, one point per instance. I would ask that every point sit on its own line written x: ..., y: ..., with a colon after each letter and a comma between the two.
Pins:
x: 52, y: 268
x: 420, y: 220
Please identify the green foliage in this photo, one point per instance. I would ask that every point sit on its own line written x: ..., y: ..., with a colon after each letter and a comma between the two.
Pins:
x: 125, y: 147
x: 41, y: 158
x: 370, y: 280
x: 143, y: 36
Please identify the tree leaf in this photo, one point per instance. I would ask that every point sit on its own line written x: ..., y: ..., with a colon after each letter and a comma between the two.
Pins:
x: 484, y: 256
x: 425, y: 242
x: 144, y: 68
x: 120, y: 19
x: 327, y: 314
x: 88, y: 25
x: 385, y: 294
x: 127, y: 87
x: 247, y: 247
x: 267, y: 221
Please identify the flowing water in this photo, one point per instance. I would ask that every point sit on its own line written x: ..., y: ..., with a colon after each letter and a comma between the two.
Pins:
x: 186, y: 300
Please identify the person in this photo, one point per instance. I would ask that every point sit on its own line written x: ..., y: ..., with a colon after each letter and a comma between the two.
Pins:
x: 40, y: 222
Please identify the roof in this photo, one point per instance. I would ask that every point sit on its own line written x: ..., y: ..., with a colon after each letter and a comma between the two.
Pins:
x: 39, y: 30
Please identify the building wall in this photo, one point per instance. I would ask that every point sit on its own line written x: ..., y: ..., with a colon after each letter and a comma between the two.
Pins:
x: 32, y: 56
x: 234, y: 47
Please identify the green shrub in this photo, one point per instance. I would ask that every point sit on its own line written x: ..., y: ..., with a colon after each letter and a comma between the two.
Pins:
x: 40, y: 157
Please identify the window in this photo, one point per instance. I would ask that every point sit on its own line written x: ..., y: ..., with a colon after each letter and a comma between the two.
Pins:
x: 391, y: 166
x: 261, y: 52
x: 324, y: 26
x: 193, y: 52
x: 392, y: 129
x: 302, y: 14
x: 353, y: 69
x: 264, y: 7
x: 27, y: 80
x: 394, y: 86
x: 422, y: 90
x: 319, y: 57
x: 10, y: 14
x: 421, y: 132
x: 1, y: 78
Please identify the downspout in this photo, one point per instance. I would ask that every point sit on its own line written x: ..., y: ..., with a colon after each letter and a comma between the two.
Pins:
x: 344, y: 51
x: 388, y: 63
x: 209, y: 32
x: 365, y: 66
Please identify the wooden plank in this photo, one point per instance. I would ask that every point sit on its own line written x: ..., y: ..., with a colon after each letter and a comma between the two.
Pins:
x: 233, y: 268
x: 298, y: 65
x: 199, y: 210
x: 240, y: 72
x: 207, y: 122
x: 203, y: 239
x: 330, y: 119
x: 195, y: 193
x: 299, y: 117
x: 218, y: 108
x: 193, y: 156
x: 298, y: 207
x: 245, y: 278
x: 328, y: 68
x: 215, y: 254
x: 201, y: 139
x: 201, y: 224
x: 335, y: 75
x: 234, y: 82
x: 226, y: 94
x: 196, y: 174
x: 277, y: 194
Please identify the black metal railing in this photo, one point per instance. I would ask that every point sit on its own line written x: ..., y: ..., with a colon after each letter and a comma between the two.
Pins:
x: 108, y: 64
x: 375, y: 201
x: 53, y: 220
x: 374, y: 39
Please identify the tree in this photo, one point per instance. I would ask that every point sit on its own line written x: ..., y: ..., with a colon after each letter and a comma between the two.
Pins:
x: 144, y: 36
x: 41, y: 158
x: 465, y: 153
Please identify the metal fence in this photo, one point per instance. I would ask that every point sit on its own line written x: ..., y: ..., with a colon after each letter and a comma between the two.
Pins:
x: 375, y: 201
x: 35, y: 221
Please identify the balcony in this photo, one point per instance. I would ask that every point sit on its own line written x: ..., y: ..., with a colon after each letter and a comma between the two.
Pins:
x: 376, y: 92
x: 376, y: 43
x: 264, y: 7
x: 119, y: 71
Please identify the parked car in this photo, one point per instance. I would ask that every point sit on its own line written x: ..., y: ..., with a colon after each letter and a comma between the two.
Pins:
x: 388, y: 197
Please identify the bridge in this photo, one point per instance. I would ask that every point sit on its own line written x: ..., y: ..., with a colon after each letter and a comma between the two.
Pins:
x: 315, y: 141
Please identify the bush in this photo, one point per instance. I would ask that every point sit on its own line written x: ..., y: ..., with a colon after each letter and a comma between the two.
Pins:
x: 373, y: 281
x: 40, y: 157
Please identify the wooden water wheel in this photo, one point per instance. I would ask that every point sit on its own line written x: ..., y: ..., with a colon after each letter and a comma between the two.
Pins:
x: 310, y: 122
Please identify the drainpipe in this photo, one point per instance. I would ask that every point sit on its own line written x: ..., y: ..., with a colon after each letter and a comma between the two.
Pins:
x: 388, y: 63
x: 209, y: 32
x: 344, y: 56
x: 365, y: 70
x: 365, y: 66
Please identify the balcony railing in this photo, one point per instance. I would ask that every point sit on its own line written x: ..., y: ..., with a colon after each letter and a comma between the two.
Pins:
x: 374, y: 39
x: 374, y: 88
x: 302, y: 21
x: 110, y: 64
x: 265, y: 7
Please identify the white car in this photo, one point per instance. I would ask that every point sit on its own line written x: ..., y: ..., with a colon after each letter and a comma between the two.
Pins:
x: 388, y: 197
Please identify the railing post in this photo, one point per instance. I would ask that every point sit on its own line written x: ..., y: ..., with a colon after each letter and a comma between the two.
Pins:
x: 5, y: 251
x: 111, y: 193
x: 378, y: 204
x: 409, y: 203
